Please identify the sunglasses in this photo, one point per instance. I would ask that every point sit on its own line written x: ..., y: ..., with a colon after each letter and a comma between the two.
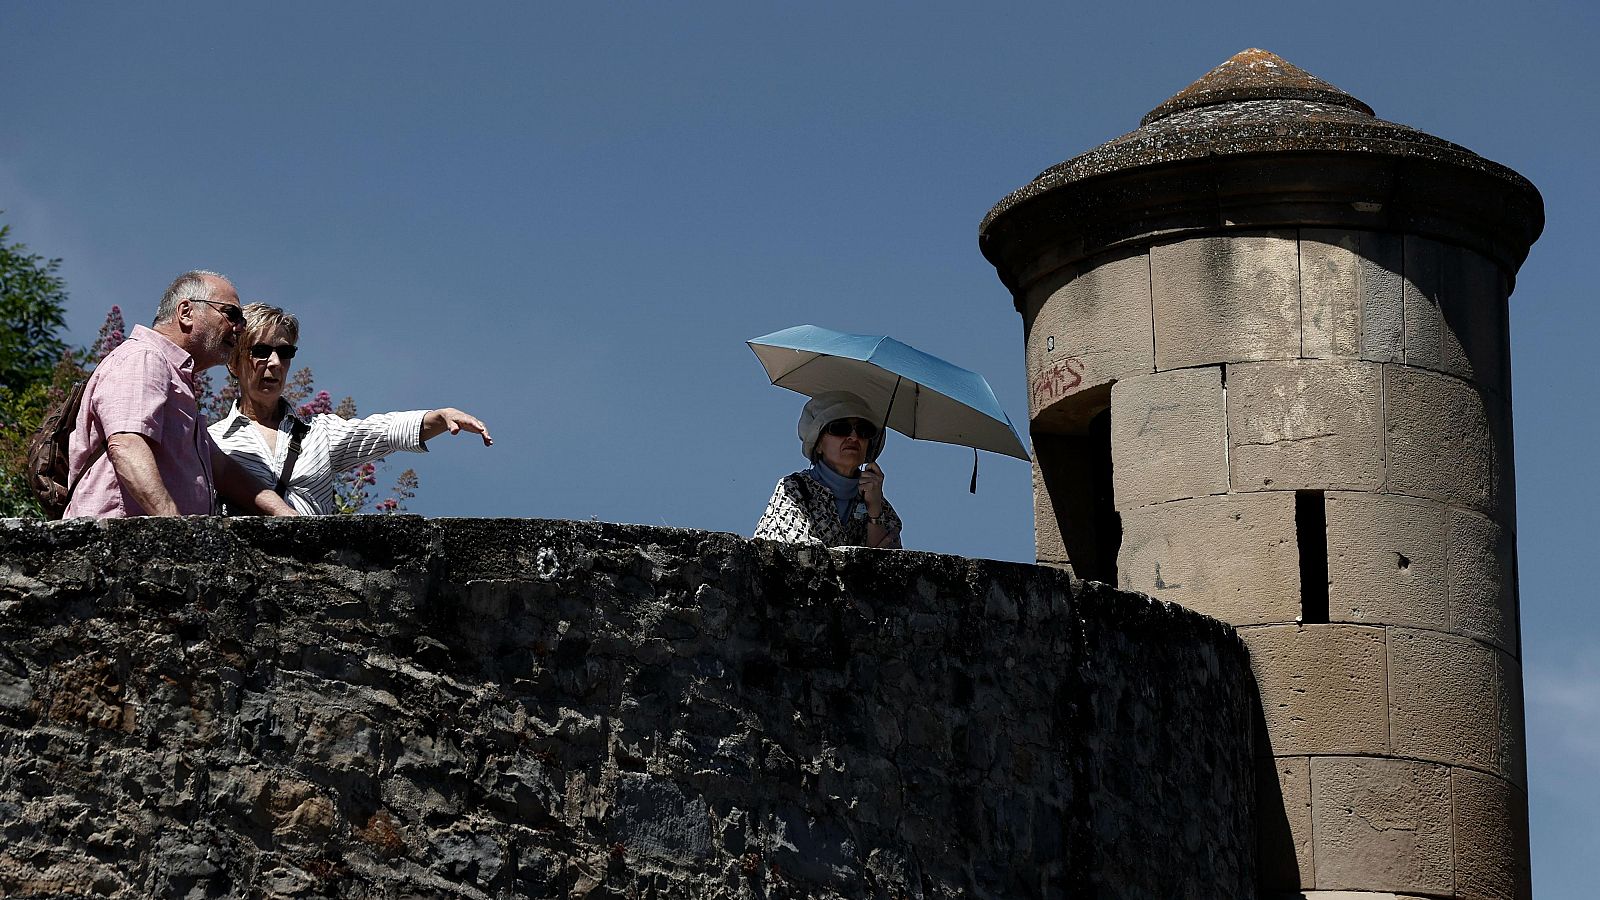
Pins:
x: 231, y: 310
x: 843, y: 427
x: 285, y: 352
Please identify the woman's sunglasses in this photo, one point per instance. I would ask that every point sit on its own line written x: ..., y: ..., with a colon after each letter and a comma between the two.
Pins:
x: 285, y: 352
x: 863, y: 429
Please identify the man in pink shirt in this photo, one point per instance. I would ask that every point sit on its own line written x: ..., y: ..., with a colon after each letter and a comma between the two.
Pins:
x: 139, y: 405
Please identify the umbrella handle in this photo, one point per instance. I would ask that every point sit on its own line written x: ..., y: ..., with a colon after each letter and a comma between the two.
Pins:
x: 884, y: 428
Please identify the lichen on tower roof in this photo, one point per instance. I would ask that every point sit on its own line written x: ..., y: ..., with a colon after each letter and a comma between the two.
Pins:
x: 1254, y: 75
x: 1255, y: 143
x: 1255, y: 103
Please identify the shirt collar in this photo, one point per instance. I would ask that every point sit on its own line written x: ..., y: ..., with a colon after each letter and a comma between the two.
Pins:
x: 179, y: 357
x: 237, y: 418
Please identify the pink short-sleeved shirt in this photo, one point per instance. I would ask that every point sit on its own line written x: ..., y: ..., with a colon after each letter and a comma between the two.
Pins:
x: 145, y: 386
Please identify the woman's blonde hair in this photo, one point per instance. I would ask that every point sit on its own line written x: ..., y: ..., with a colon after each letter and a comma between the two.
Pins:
x: 260, y: 319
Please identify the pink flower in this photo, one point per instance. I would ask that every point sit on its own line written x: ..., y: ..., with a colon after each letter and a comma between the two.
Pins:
x: 321, y: 404
x: 112, y: 332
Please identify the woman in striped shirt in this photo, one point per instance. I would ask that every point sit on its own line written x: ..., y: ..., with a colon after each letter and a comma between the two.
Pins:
x: 260, y: 431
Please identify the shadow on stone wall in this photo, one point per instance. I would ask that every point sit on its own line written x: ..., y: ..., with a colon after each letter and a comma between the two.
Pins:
x: 394, y: 707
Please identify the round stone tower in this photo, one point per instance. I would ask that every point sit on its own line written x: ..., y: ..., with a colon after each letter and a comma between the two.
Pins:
x: 1269, y: 380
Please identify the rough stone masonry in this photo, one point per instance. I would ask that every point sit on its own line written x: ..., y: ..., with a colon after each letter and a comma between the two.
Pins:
x: 397, y: 707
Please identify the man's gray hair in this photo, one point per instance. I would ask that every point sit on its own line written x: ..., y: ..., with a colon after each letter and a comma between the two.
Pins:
x: 188, y: 286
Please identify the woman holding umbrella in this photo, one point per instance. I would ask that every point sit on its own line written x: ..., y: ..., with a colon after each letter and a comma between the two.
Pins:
x: 838, y: 501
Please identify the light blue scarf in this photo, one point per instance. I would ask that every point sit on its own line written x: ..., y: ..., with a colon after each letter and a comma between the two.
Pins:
x: 846, y: 489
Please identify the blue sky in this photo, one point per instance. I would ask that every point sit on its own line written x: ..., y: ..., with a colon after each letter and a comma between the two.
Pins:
x: 567, y: 218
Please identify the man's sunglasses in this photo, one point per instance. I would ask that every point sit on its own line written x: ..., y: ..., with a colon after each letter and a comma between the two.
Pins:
x: 285, y: 352
x: 863, y: 429
x: 231, y: 310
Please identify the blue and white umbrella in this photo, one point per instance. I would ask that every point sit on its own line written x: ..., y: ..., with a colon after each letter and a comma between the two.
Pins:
x: 918, y: 395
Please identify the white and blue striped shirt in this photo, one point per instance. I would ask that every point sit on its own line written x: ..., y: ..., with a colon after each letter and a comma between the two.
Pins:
x: 331, y: 446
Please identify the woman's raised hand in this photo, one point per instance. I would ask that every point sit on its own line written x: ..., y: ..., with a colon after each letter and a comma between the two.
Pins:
x: 870, y: 483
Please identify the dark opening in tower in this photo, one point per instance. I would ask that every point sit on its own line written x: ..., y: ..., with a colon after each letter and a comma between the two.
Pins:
x: 1311, y: 535
x: 1076, y: 469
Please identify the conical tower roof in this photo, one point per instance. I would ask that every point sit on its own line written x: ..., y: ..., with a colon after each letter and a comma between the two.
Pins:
x: 1254, y: 75
x: 1259, y: 142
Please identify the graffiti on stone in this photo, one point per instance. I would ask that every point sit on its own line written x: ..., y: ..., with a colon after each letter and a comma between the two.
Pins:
x: 1056, y: 381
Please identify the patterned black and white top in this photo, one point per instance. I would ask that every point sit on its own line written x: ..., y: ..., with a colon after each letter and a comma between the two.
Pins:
x: 802, y: 511
x: 331, y: 446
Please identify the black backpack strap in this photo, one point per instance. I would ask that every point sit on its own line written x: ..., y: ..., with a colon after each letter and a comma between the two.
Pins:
x: 296, y: 434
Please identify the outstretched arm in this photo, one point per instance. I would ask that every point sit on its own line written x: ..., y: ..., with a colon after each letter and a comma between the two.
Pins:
x: 453, y: 420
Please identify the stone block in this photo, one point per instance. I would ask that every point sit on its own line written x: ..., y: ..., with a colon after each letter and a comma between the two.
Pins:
x: 1491, y: 819
x: 1499, y: 412
x: 1231, y: 557
x: 1381, y: 825
x: 655, y: 818
x: 1169, y: 434
x: 1382, y: 297
x: 1455, y: 312
x: 1481, y: 586
x: 1387, y: 562
x: 1424, y: 322
x: 1330, y: 293
x: 1472, y: 295
x: 1305, y: 425
x: 1283, y: 796
x: 1322, y: 687
x: 1513, y: 741
x: 1444, y: 699
x: 1048, y: 546
x: 1227, y: 298
x: 1441, y: 440
x: 1350, y: 295
x: 1090, y: 330
x: 1352, y: 895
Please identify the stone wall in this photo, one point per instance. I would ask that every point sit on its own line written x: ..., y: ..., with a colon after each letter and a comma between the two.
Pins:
x: 393, y: 707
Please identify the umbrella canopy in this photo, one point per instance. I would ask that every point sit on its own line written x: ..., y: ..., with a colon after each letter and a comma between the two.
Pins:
x: 921, y: 396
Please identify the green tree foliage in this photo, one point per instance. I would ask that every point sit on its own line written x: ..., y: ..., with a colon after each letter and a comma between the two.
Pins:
x: 36, y: 365
x: 33, y: 305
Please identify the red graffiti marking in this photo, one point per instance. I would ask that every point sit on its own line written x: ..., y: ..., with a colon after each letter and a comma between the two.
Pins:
x: 1057, y: 381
